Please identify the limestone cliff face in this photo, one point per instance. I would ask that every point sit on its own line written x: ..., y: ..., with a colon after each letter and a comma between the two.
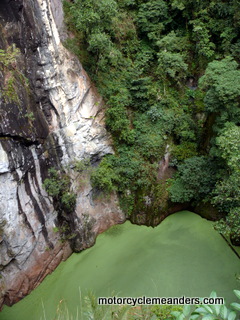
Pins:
x: 50, y: 115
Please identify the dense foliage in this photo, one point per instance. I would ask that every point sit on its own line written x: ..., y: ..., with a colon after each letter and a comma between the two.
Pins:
x: 168, y: 71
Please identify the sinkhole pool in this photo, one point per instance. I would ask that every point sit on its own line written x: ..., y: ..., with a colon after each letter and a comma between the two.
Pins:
x: 184, y: 255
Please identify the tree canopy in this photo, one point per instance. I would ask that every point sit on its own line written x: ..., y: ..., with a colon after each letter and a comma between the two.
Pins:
x: 169, y: 74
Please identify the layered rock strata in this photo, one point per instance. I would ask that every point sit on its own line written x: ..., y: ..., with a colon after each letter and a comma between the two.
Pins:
x: 50, y: 116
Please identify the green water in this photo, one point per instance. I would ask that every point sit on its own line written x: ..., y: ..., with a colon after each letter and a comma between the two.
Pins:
x: 183, y: 255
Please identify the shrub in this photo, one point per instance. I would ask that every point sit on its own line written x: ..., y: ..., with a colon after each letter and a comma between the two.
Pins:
x: 193, y: 181
x: 184, y: 151
x: 58, y: 186
x: 103, y: 177
x: 230, y: 226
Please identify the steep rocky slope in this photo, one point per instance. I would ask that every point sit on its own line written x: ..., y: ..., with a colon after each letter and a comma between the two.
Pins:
x: 50, y: 115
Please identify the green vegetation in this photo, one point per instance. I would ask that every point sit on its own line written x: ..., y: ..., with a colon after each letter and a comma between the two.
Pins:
x: 12, y: 76
x: 91, y: 310
x: 194, y: 180
x: 171, y: 312
x: 169, y: 73
x: 211, y: 312
x: 65, y: 232
x: 8, y: 57
x: 230, y: 225
x: 58, y: 187
x: 9, y: 93
x: 30, y: 116
x: 82, y: 165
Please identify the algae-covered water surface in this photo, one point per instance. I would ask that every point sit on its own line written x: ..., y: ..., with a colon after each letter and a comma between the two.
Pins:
x: 184, y: 255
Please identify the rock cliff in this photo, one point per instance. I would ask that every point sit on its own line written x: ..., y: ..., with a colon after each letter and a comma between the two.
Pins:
x: 50, y: 115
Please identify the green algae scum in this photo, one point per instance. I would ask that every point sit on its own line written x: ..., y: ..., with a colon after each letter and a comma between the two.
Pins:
x: 184, y: 255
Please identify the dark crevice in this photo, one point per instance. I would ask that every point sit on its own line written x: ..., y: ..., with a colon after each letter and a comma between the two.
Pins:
x: 20, y: 139
x: 7, y: 264
x: 230, y: 246
x: 37, y: 209
x: 21, y: 212
x: 38, y: 190
x: 84, y: 98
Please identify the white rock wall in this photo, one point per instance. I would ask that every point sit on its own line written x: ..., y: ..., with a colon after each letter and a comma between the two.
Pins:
x: 29, y: 249
x: 79, y: 125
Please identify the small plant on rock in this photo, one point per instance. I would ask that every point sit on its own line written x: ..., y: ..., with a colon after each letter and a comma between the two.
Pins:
x: 58, y: 186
